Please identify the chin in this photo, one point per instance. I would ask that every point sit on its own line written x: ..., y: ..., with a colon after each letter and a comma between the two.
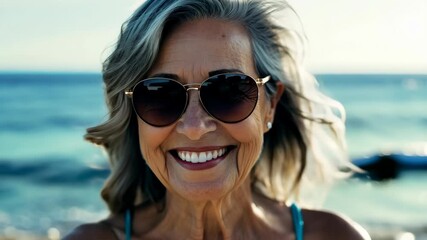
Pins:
x: 201, y: 191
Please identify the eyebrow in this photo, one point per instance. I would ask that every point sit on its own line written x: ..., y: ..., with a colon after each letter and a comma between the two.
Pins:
x: 211, y: 73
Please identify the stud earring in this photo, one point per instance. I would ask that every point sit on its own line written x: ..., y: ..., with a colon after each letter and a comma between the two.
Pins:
x: 269, y: 125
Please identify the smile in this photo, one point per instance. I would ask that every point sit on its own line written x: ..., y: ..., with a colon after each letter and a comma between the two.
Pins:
x: 201, y: 157
x: 197, y: 159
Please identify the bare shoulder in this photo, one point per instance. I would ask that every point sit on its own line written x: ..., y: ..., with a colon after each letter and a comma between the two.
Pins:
x: 100, y: 230
x: 328, y: 225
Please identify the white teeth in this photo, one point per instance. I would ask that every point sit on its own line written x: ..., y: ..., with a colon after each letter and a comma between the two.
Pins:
x: 215, y: 154
x: 201, y: 157
x: 194, y: 157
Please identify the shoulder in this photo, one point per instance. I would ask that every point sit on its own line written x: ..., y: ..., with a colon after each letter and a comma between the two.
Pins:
x: 328, y: 225
x: 100, y: 230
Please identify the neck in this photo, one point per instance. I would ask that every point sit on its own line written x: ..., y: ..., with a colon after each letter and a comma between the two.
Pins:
x: 230, y: 217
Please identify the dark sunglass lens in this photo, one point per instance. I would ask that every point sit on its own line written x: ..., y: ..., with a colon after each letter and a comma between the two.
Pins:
x: 159, y: 102
x: 230, y: 98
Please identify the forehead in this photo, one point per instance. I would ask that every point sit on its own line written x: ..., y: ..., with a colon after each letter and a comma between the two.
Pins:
x: 197, y: 47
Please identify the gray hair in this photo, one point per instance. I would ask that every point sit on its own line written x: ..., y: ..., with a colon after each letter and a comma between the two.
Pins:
x: 303, y: 113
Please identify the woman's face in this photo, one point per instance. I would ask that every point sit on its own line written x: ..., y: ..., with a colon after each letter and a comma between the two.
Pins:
x: 192, y: 52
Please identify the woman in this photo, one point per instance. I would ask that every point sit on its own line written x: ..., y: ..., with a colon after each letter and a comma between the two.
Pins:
x: 213, y: 128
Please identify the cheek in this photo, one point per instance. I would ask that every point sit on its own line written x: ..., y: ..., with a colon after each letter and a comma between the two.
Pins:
x: 150, y: 140
x: 249, y: 133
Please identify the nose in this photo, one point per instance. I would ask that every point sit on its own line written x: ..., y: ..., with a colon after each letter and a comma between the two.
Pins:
x: 195, y: 122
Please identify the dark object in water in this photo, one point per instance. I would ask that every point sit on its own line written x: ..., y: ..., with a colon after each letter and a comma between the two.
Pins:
x: 386, y: 167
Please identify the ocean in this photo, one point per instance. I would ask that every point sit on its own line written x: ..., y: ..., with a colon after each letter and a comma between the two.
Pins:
x: 50, y: 177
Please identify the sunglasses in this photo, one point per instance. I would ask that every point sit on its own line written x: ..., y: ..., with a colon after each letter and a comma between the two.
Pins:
x: 228, y: 97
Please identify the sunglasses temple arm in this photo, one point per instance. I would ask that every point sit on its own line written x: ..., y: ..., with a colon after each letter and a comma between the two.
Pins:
x: 264, y: 80
x: 129, y: 93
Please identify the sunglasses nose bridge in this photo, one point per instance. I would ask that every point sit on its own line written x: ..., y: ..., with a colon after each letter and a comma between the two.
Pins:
x: 195, y: 120
x: 193, y: 89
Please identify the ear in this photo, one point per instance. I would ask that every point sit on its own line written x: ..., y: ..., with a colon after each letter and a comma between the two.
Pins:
x: 272, y: 104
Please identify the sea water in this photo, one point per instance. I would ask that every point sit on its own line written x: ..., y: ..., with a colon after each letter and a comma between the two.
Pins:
x: 50, y: 177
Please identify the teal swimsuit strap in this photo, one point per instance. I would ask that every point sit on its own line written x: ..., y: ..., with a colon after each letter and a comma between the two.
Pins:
x: 128, y: 224
x: 298, y: 221
x: 296, y: 218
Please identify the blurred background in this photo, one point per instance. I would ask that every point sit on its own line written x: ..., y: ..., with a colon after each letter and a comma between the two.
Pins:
x: 369, y: 55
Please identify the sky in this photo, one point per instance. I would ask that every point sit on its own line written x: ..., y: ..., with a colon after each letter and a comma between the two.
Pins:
x: 346, y: 36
